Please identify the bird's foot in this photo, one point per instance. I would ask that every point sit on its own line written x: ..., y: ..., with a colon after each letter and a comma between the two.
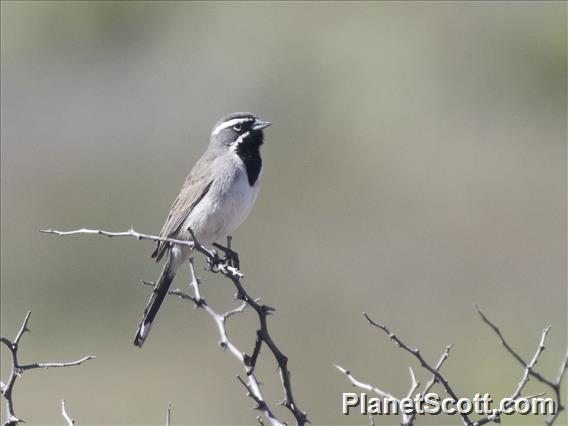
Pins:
x: 214, y: 262
x: 231, y: 256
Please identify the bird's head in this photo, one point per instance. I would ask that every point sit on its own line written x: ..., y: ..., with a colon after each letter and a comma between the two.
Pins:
x: 236, y: 129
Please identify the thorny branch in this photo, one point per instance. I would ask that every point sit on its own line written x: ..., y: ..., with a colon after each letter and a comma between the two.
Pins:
x: 253, y: 386
x: 555, y: 385
x: 416, y: 353
x: 408, y: 420
x: 432, y: 382
x: 19, y: 369
x: 495, y: 417
x: 366, y: 386
x: 218, y: 265
x: 383, y: 394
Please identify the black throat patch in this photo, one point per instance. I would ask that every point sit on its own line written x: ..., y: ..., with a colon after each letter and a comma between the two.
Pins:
x: 249, y: 151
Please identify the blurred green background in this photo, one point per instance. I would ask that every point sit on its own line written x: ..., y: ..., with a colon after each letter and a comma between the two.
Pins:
x: 417, y: 164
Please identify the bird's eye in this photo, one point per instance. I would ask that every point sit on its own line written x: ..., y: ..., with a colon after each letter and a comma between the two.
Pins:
x: 237, y: 127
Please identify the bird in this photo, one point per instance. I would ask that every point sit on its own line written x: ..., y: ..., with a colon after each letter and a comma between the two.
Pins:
x: 215, y: 199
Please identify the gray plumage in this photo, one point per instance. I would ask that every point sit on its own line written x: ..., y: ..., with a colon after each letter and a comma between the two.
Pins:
x: 214, y: 200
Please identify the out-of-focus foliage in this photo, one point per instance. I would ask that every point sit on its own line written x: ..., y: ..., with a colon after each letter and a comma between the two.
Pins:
x: 417, y: 164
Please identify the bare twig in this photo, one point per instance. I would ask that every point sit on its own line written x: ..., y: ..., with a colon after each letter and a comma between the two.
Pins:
x: 169, y: 414
x: 263, y: 311
x: 254, y: 392
x: 529, y: 367
x: 416, y: 353
x: 210, y: 254
x: 68, y: 419
x: 529, y: 370
x: 432, y: 382
x: 56, y: 364
x: 366, y: 386
x: 357, y: 383
x: 495, y: 417
x: 19, y: 369
x: 407, y: 419
x: 413, y: 385
x: 232, y: 273
x: 562, y: 370
x: 253, y: 386
x: 443, y: 358
x: 508, y: 347
x: 557, y: 387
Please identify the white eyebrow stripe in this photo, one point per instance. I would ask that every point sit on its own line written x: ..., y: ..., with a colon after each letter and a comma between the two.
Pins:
x: 231, y: 123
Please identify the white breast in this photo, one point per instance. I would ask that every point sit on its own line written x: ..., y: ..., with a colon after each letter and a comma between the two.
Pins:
x: 227, y: 204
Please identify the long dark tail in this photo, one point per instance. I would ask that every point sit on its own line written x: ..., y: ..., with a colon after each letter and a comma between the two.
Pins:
x: 156, y: 300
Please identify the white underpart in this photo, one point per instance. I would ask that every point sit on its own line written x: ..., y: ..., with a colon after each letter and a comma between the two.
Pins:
x: 231, y: 123
x: 225, y: 206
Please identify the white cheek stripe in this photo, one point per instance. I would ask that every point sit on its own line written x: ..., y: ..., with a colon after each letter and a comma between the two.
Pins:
x: 230, y: 123
x: 239, y: 140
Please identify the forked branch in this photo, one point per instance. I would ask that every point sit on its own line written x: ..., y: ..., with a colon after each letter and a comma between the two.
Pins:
x: 555, y: 385
x: 416, y: 354
x: 66, y: 416
x: 437, y: 377
x: 225, y: 268
x: 19, y: 369
x: 253, y: 385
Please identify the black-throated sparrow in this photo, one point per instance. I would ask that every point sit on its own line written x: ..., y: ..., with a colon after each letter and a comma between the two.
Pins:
x: 214, y: 201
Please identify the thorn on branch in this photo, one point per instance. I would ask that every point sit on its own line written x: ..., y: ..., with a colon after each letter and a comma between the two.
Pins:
x: 19, y: 369
x: 416, y: 353
x: 234, y: 275
x: 529, y: 367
